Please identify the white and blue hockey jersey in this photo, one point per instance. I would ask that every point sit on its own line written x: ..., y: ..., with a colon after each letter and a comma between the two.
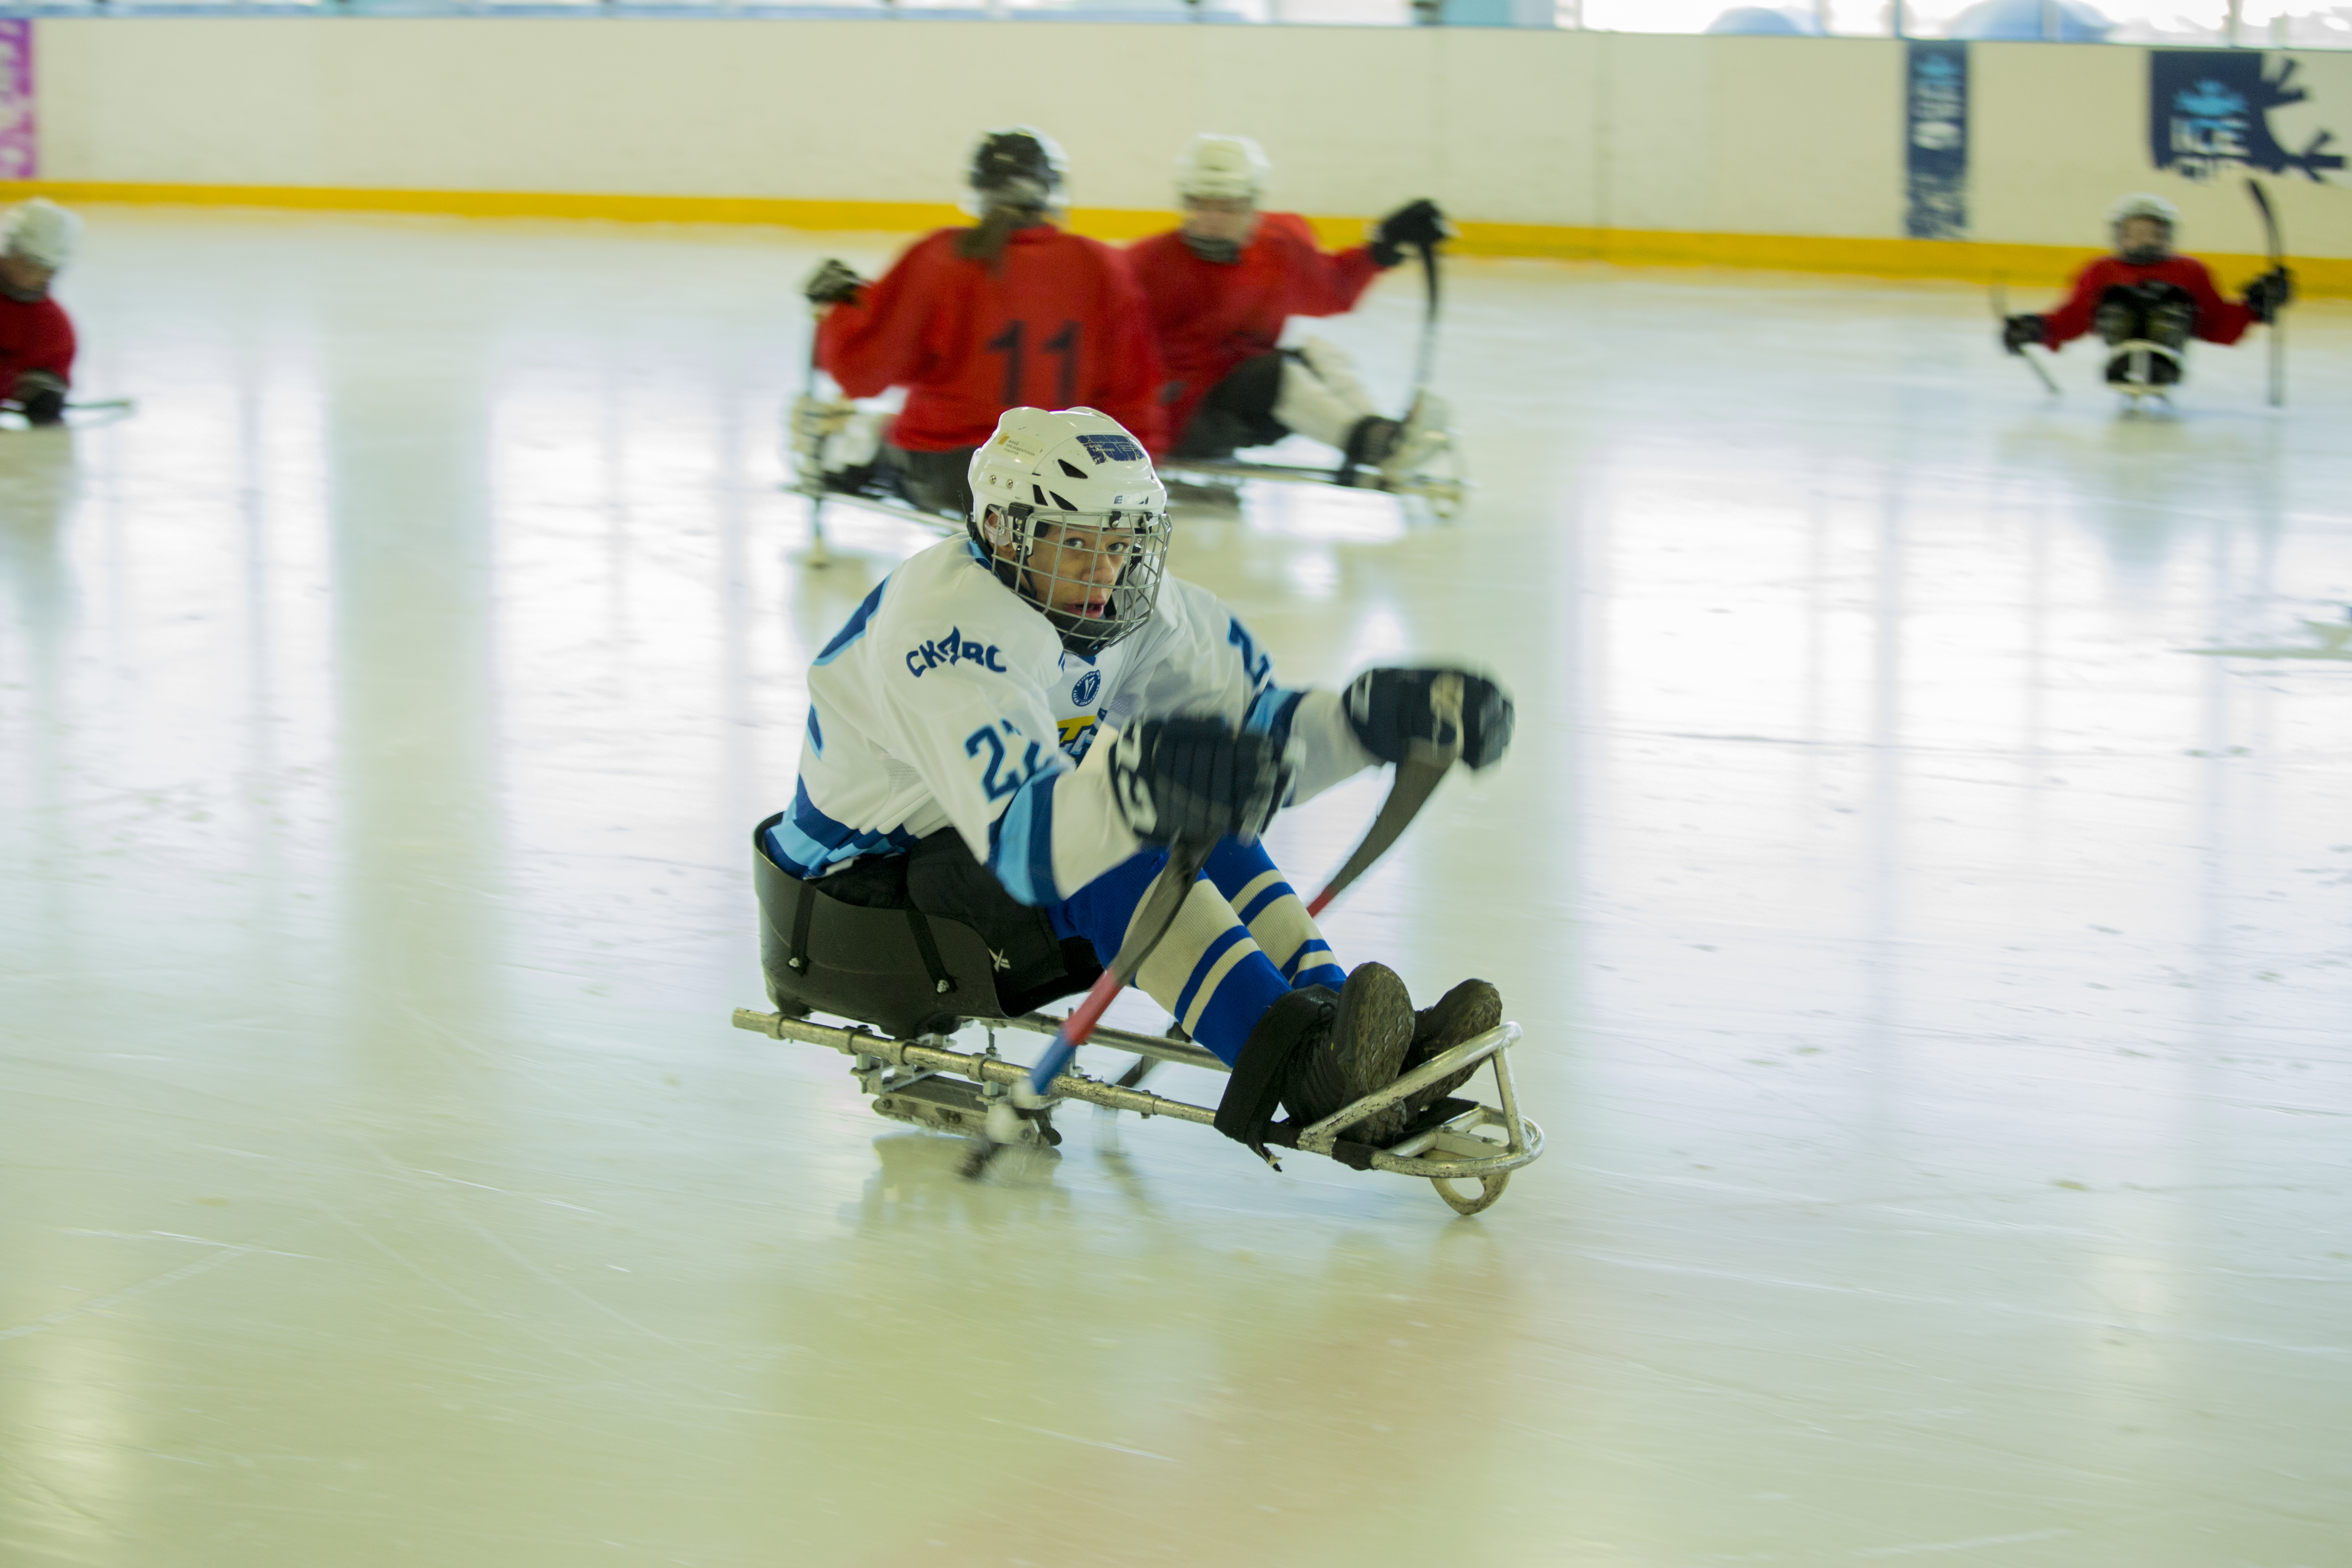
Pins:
x: 948, y: 700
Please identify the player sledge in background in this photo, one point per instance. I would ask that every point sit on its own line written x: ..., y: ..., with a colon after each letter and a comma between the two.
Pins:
x: 1014, y: 728
x: 2147, y: 301
x: 36, y: 339
x: 973, y: 322
x: 1220, y: 287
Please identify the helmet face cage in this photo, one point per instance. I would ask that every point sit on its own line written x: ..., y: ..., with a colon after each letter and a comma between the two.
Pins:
x: 1095, y: 575
x: 2157, y: 210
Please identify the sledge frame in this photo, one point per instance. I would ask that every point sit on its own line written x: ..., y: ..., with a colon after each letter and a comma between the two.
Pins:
x: 1444, y: 492
x: 1449, y: 1152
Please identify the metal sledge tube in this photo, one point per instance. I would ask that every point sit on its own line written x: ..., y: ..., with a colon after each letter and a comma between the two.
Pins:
x: 1525, y: 1138
x: 979, y: 1068
x: 1320, y: 1138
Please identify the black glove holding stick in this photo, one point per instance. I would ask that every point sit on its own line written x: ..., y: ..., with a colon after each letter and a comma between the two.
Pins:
x: 832, y: 283
x: 1415, y: 224
x: 1393, y: 711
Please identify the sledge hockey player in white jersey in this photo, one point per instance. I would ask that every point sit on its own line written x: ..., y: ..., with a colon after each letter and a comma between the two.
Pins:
x: 1012, y: 729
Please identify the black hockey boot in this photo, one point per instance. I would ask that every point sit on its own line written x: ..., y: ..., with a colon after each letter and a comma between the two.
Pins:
x: 1363, y: 1050
x: 1464, y: 1013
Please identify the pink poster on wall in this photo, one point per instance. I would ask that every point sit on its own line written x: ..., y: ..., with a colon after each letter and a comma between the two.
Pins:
x: 18, y: 151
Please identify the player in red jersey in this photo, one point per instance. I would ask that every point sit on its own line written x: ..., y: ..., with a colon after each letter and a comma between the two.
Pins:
x: 973, y: 322
x: 36, y: 339
x: 1221, y: 287
x: 2147, y: 301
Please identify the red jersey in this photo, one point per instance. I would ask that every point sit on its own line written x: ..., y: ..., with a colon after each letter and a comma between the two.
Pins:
x: 2219, y: 321
x: 1211, y: 316
x: 34, y: 337
x: 1056, y: 324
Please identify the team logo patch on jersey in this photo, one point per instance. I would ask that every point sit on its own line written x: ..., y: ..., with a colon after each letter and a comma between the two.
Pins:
x: 1106, y: 448
x: 1089, y: 684
x: 953, y: 648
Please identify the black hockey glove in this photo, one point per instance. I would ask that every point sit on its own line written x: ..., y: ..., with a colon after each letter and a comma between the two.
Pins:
x: 1394, y: 710
x: 2268, y: 295
x: 1419, y: 223
x: 833, y: 283
x: 1196, y: 780
x: 2016, y: 332
x: 42, y: 397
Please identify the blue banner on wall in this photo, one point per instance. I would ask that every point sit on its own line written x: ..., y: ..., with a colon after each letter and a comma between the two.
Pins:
x: 1936, y: 140
x: 2210, y: 110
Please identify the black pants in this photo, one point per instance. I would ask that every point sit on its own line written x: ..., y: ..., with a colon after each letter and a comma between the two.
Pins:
x: 1238, y: 411
x: 935, y: 482
x: 939, y: 877
x: 2151, y: 313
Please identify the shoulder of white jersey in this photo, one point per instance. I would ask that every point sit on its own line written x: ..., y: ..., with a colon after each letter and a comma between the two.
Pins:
x: 947, y: 588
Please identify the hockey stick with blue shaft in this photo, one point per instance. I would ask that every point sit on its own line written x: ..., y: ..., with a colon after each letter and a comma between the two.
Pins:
x: 1152, y: 918
x: 2278, y: 316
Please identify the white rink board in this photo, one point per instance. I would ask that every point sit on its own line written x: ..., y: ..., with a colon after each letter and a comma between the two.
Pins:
x: 1743, y: 135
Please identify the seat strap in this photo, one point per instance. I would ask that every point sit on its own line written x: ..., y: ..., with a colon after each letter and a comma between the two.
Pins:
x: 796, y: 956
x: 930, y: 949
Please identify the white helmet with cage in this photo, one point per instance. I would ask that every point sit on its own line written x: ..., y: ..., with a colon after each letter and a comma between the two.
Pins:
x: 1016, y: 166
x: 40, y: 231
x: 1217, y: 167
x: 2143, y: 204
x: 1074, y: 520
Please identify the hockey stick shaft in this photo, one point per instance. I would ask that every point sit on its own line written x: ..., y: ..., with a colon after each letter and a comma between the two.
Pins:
x: 1425, y: 361
x: 1162, y: 902
x: 2278, y: 316
x: 2001, y: 314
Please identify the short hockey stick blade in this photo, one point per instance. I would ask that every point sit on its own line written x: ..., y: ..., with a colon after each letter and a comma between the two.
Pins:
x: 1424, y: 763
x: 1416, y: 779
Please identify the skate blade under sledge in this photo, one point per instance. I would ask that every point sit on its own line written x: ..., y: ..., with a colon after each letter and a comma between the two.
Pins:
x: 1443, y: 487
x: 923, y: 1081
x: 79, y: 414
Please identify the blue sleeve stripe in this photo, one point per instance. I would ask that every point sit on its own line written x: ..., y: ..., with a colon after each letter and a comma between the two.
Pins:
x: 1022, y: 854
x: 1272, y: 712
x: 1207, y: 965
x: 815, y: 731
x: 854, y: 627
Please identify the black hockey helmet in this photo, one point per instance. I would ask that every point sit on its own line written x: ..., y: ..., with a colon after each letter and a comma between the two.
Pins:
x: 1017, y: 165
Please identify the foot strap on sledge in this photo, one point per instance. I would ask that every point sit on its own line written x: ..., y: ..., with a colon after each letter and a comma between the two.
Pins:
x: 1252, y: 1096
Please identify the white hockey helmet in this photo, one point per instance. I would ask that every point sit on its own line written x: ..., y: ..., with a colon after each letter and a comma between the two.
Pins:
x: 1016, y: 166
x: 40, y: 231
x: 1222, y: 168
x: 2144, y: 203
x: 1074, y: 520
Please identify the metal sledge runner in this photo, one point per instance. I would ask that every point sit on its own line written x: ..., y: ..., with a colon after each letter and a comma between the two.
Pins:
x: 923, y: 1081
x: 909, y: 980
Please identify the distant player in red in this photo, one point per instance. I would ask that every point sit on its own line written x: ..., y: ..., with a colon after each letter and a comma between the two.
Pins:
x: 1222, y: 286
x: 36, y: 340
x: 973, y: 322
x: 2146, y: 301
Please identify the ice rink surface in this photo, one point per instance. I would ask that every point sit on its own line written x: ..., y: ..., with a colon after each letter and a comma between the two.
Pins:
x: 1933, y: 964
